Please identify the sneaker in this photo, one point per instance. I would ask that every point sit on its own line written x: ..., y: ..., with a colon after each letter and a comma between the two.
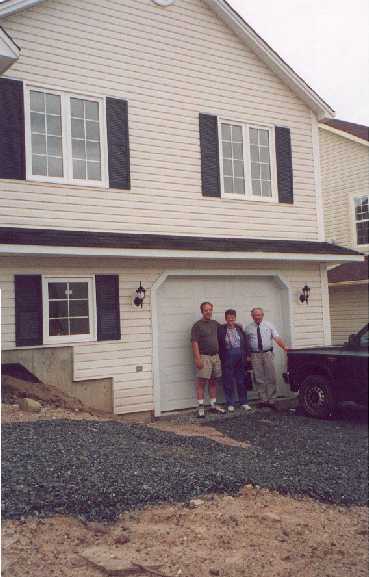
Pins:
x: 201, y: 412
x: 217, y: 409
x: 246, y: 407
x: 230, y: 409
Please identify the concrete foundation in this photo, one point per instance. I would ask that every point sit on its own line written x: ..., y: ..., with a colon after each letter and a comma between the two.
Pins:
x: 54, y: 366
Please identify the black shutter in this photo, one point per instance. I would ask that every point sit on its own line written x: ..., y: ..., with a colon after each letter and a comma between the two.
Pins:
x: 28, y: 310
x: 107, y: 304
x: 118, y: 143
x: 284, y: 164
x: 12, y: 147
x: 209, y: 146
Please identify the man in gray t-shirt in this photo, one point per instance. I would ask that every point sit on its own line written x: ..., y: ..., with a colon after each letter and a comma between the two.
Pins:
x: 204, y: 338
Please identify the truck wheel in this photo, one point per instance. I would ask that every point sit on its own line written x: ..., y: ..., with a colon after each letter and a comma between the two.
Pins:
x: 316, y: 396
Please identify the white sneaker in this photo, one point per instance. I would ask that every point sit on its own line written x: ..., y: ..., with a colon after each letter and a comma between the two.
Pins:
x: 217, y: 409
x: 201, y: 412
x: 230, y: 409
x: 246, y: 407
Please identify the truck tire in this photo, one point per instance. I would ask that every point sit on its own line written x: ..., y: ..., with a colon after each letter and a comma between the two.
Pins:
x: 316, y: 397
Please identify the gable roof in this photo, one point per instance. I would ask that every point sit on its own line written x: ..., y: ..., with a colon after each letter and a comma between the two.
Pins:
x: 248, y: 36
x: 358, y: 130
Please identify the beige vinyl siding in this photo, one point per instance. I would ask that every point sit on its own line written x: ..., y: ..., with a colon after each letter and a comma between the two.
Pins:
x: 170, y: 64
x: 133, y: 391
x: 349, y: 311
x: 344, y: 175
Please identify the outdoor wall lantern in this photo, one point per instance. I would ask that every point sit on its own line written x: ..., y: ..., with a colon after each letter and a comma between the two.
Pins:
x: 140, y: 296
x: 304, y: 296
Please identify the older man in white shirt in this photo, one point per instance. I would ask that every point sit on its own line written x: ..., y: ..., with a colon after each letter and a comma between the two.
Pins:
x: 261, y: 335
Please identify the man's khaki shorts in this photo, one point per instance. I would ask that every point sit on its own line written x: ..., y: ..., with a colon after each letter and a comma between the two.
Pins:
x: 211, y: 368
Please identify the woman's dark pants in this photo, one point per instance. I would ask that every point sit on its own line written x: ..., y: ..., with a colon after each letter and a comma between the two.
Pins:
x: 233, y: 371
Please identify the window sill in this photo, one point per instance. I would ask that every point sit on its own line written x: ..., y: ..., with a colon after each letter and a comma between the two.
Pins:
x: 69, y: 340
x: 76, y: 183
x: 243, y: 198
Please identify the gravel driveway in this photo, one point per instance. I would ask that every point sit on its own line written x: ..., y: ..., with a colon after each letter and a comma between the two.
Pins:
x: 98, y: 469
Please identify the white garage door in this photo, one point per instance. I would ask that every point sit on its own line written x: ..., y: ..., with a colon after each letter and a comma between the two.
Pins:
x: 178, y: 308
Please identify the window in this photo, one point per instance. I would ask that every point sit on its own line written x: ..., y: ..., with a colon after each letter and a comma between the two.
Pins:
x: 65, y: 138
x: 361, y: 219
x: 247, y: 161
x: 69, y: 309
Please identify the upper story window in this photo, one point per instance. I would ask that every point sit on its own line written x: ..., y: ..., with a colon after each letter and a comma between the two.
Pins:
x: 362, y: 219
x: 65, y: 138
x: 248, y: 161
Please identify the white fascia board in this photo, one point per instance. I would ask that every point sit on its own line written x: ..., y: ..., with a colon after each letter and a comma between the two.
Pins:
x: 10, y: 6
x: 271, y: 58
x: 344, y: 134
x: 34, y: 250
x: 348, y: 283
x: 9, y: 51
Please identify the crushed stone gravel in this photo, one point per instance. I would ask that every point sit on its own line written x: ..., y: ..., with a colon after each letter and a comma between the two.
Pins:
x: 96, y: 470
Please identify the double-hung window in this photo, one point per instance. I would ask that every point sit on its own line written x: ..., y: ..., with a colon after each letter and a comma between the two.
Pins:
x: 361, y: 219
x: 69, y: 309
x: 247, y: 161
x: 65, y: 137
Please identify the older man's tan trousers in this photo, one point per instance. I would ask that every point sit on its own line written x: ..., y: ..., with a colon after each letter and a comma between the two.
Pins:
x: 265, y: 375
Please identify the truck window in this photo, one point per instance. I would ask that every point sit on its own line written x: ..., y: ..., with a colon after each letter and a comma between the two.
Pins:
x: 364, y: 339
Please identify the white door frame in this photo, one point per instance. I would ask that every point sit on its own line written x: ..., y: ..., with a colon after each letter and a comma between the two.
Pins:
x: 203, y: 273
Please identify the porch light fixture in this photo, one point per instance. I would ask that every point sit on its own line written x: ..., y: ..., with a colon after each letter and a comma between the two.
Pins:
x: 304, y: 296
x: 140, y: 296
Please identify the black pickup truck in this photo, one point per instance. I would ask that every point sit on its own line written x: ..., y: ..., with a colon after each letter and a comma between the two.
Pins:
x: 326, y: 376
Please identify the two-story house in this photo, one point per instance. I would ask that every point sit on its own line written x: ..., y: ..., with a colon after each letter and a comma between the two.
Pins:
x: 344, y: 149
x: 159, y: 143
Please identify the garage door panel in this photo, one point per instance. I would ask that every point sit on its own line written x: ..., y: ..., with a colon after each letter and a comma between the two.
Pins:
x: 178, y: 309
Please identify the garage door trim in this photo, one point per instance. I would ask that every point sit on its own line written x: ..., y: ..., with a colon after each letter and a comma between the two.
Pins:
x: 208, y: 273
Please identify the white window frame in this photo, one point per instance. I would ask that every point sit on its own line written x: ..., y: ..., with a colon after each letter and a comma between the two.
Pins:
x: 361, y: 247
x: 247, y: 162
x: 66, y: 138
x: 92, y: 336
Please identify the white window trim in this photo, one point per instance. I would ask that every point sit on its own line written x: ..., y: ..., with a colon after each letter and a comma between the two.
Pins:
x: 247, y: 162
x: 359, y: 247
x: 92, y: 336
x: 66, y: 138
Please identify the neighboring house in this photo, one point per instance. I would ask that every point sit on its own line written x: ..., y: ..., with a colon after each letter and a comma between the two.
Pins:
x: 162, y: 145
x: 344, y: 149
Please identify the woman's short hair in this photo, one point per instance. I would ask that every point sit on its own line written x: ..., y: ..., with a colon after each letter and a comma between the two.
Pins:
x: 230, y: 312
x: 203, y: 304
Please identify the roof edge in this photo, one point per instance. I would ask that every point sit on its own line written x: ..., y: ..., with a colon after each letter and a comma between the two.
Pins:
x: 271, y: 58
x: 10, y: 6
x: 344, y: 134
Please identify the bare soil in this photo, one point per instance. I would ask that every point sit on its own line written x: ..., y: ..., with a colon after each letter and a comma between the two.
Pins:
x: 255, y: 534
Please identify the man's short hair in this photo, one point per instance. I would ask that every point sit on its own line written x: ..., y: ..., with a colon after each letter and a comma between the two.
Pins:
x: 203, y: 304
x: 230, y: 312
x: 257, y: 309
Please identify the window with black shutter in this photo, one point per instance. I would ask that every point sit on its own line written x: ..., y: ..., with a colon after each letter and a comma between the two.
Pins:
x: 12, y: 145
x: 283, y: 150
x: 52, y: 310
x: 28, y: 310
x: 118, y: 143
x: 108, y: 310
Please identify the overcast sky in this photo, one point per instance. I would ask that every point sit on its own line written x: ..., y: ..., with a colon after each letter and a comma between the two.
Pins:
x: 324, y: 41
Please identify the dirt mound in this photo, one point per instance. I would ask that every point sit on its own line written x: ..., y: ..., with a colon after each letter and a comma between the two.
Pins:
x: 13, y: 389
